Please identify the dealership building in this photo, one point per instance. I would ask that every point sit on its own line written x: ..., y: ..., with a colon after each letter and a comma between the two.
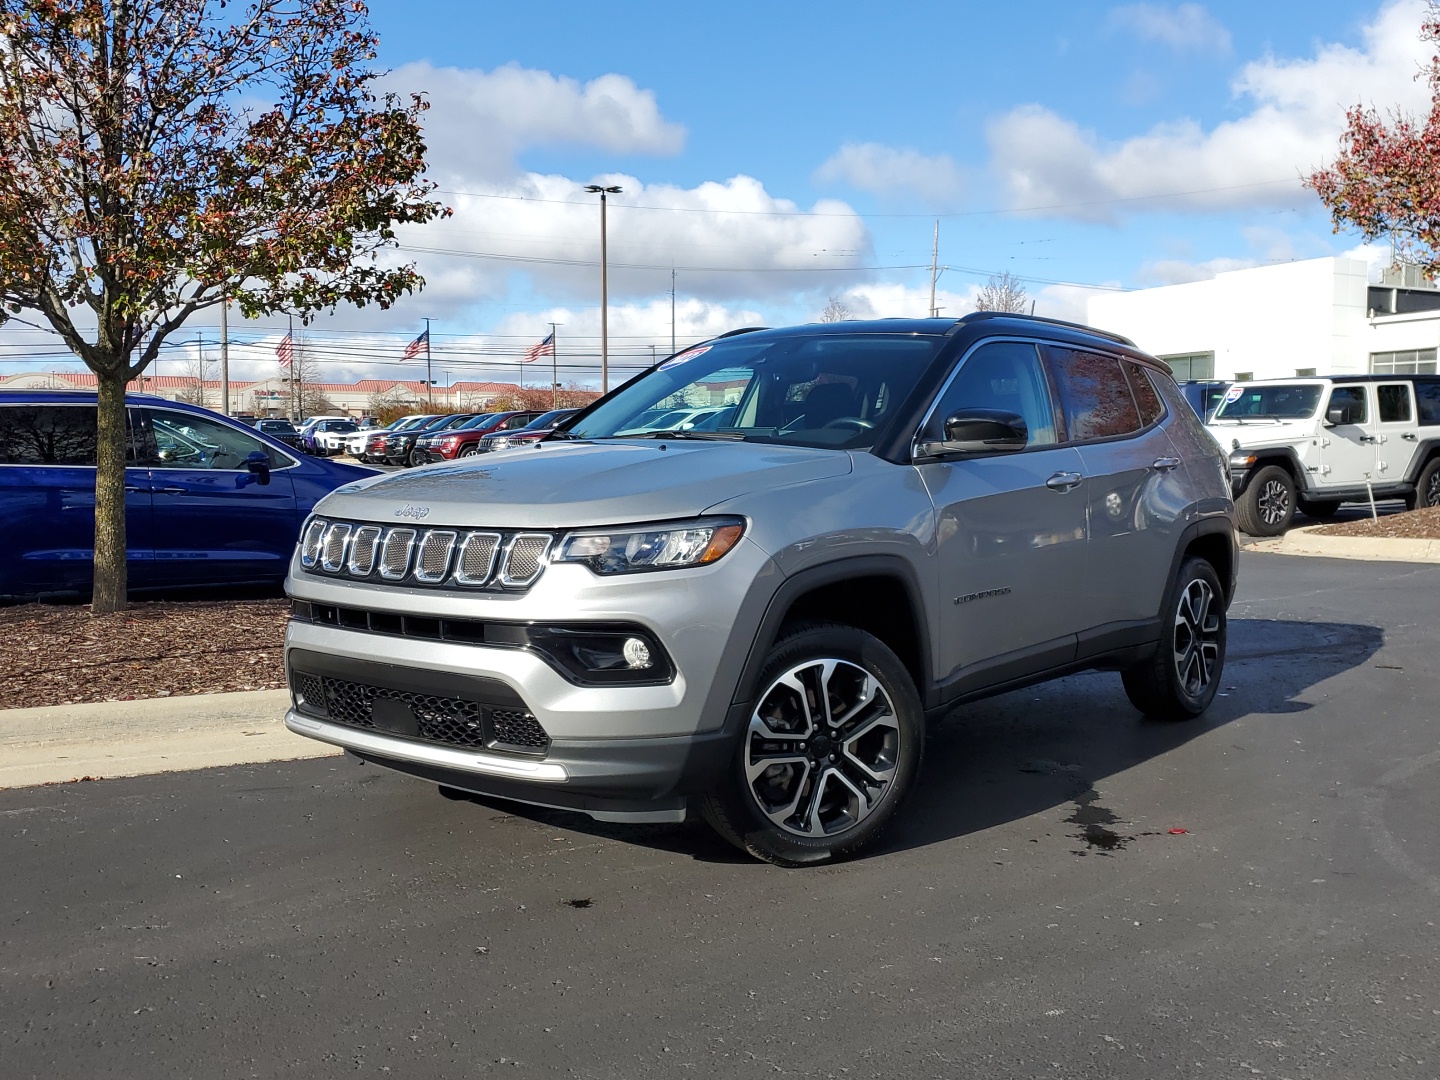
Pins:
x: 1316, y: 317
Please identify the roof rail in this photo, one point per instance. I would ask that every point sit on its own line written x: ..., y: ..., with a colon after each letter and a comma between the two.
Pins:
x: 740, y: 330
x: 981, y: 316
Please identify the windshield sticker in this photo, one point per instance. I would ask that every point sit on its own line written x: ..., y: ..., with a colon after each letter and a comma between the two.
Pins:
x: 689, y: 354
x: 1233, y: 394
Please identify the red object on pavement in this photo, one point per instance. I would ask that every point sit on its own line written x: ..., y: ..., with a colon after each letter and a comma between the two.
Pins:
x: 1178, y: 832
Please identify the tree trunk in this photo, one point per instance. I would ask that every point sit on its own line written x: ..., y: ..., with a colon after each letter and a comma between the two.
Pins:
x: 110, y: 570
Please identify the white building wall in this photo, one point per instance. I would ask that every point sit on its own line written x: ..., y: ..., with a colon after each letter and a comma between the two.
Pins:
x: 1270, y: 321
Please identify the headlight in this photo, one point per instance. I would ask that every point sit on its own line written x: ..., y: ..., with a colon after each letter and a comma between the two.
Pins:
x: 669, y: 546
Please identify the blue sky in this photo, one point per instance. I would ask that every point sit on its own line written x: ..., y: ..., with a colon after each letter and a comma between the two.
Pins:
x: 779, y: 154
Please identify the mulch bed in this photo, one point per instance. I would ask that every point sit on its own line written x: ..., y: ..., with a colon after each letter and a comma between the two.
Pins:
x: 1416, y: 525
x: 54, y: 654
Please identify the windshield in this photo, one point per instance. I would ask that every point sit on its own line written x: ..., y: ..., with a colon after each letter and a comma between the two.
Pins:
x: 820, y: 389
x: 1277, y: 401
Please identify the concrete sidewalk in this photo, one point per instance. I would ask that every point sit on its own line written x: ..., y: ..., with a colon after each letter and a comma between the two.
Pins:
x: 1379, y: 548
x: 137, y: 738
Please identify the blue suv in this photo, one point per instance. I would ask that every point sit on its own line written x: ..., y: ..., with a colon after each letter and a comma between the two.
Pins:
x: 209, y: 501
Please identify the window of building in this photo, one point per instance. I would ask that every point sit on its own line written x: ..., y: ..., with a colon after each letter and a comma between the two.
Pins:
x: 1190, y: 366
x: 1409, y: 362
x: 1304, y: 372
x: 1244, y: 376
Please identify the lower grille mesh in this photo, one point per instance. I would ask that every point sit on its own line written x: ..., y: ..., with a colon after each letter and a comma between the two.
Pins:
x: 428, y: 717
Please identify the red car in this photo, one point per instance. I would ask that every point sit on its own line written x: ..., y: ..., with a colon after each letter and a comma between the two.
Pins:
x: 466, y: 443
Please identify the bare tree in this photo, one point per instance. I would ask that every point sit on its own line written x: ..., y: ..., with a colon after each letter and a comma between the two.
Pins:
x: 1003, y: 292
x: 198, y: 372
x: 836, y: 310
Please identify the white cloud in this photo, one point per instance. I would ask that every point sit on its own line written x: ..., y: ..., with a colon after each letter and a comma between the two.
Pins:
x: 1183, y: 27
x: 479, y: 122
x: 1298, y: 112
x: 885, y: 170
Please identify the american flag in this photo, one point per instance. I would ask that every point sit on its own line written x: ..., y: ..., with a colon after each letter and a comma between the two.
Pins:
x: 285, y: 351
x: 420, y: 345
x: 545, y: 347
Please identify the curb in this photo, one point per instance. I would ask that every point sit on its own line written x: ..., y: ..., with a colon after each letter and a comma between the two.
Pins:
x: 1308, y: 541
x: 59, y: 743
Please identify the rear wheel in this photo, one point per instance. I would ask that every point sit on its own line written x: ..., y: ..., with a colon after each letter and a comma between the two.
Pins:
x: 1180, y: 680
x: 1267, y: 505
x: 1427, y: 487
x: 832, y: 747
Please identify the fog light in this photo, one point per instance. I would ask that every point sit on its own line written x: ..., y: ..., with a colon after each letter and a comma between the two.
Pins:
x: 637, y: 654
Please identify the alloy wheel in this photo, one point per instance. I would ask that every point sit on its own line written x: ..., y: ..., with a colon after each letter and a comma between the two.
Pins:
x: 1274, y: 502
x: 1197, y: 637
x: 822, y: 748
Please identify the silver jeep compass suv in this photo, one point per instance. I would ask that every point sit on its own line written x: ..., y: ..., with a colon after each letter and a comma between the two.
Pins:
x: 753, y: 619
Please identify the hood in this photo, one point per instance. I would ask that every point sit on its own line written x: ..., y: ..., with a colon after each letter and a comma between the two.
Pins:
x: 570, y: 485
x: 1259, y: 432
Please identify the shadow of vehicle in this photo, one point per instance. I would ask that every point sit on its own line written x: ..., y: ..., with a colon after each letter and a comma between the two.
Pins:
x: 1021, y: 753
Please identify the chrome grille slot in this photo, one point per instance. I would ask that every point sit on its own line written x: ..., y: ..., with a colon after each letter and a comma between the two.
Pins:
x: 332, y: 556
x: 524, y: 559
x: 362, y: 550
x: 477, y: 558
x: 310, y: 542
x: 433, y: 561
x: 395, y: 559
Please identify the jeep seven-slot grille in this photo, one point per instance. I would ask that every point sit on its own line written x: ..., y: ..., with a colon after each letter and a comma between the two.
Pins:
x: 431, y: 718
x: 404, y: 554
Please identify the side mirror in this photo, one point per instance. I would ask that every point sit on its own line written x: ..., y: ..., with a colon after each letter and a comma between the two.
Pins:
x: 982, y: 431
x: 258, y: 462
x: 1337, y: 414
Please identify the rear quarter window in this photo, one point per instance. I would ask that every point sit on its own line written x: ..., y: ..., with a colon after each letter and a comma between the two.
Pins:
x: 1094, y: 395
x: 1427, y: 403
x: 47, y: 435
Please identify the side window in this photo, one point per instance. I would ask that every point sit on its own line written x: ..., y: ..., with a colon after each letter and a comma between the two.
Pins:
x: 1427, y: 402
x: 1146, y: 396
x: 1005, y: 375
x: 185, y: 441
x: 1350, y: 398
x: 1094, y: 395
x: 1394, y: 403
x: 48, y: 435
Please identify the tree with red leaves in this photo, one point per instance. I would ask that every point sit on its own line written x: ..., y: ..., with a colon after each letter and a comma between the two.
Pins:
x: 1386, y: 181
x: 160, y: 157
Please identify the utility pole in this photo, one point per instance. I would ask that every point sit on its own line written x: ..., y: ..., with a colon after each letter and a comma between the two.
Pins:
x: 429, y: 379
x: 604, y: 288
x: 295, y: 416
x: 934, y: 261
x: 225, y: 356
x: 554, y: 365
x: 672, y: 311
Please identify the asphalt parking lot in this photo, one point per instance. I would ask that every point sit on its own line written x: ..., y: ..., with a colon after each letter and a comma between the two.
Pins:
x: 1073, y: 892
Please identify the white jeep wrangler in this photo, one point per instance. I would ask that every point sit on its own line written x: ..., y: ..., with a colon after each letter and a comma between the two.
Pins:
x: 1316, y: 443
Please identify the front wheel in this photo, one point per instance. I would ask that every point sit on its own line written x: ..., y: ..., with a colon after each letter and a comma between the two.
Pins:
x: 1267, y: 506
x: 830, y: 750
x: 1180, y: 680
x: 470, y: 451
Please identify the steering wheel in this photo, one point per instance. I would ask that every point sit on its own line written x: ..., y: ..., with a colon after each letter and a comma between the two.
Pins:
x: 850, y: 422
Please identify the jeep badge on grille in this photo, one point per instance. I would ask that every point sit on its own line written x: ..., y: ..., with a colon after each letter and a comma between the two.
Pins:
x: 416, y: 512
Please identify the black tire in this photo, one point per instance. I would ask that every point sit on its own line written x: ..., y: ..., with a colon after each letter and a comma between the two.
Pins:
x: 1267, y: 505
x: 412, y: 459
x: 1427, y: 487
x: 1320, y: 508
x: 1180, y: 680
x: 865, y: 762
x: 470, y: 451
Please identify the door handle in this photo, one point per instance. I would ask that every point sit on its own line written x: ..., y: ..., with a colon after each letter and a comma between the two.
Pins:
x: 134, y: 489
x: 1164, y: 464
x: 1368, y: 438
x: 1411, y: 436
x: 1064, y: 481
x: 171, y: 490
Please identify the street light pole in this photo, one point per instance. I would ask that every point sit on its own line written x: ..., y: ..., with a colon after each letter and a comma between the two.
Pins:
x: 604, y: 289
